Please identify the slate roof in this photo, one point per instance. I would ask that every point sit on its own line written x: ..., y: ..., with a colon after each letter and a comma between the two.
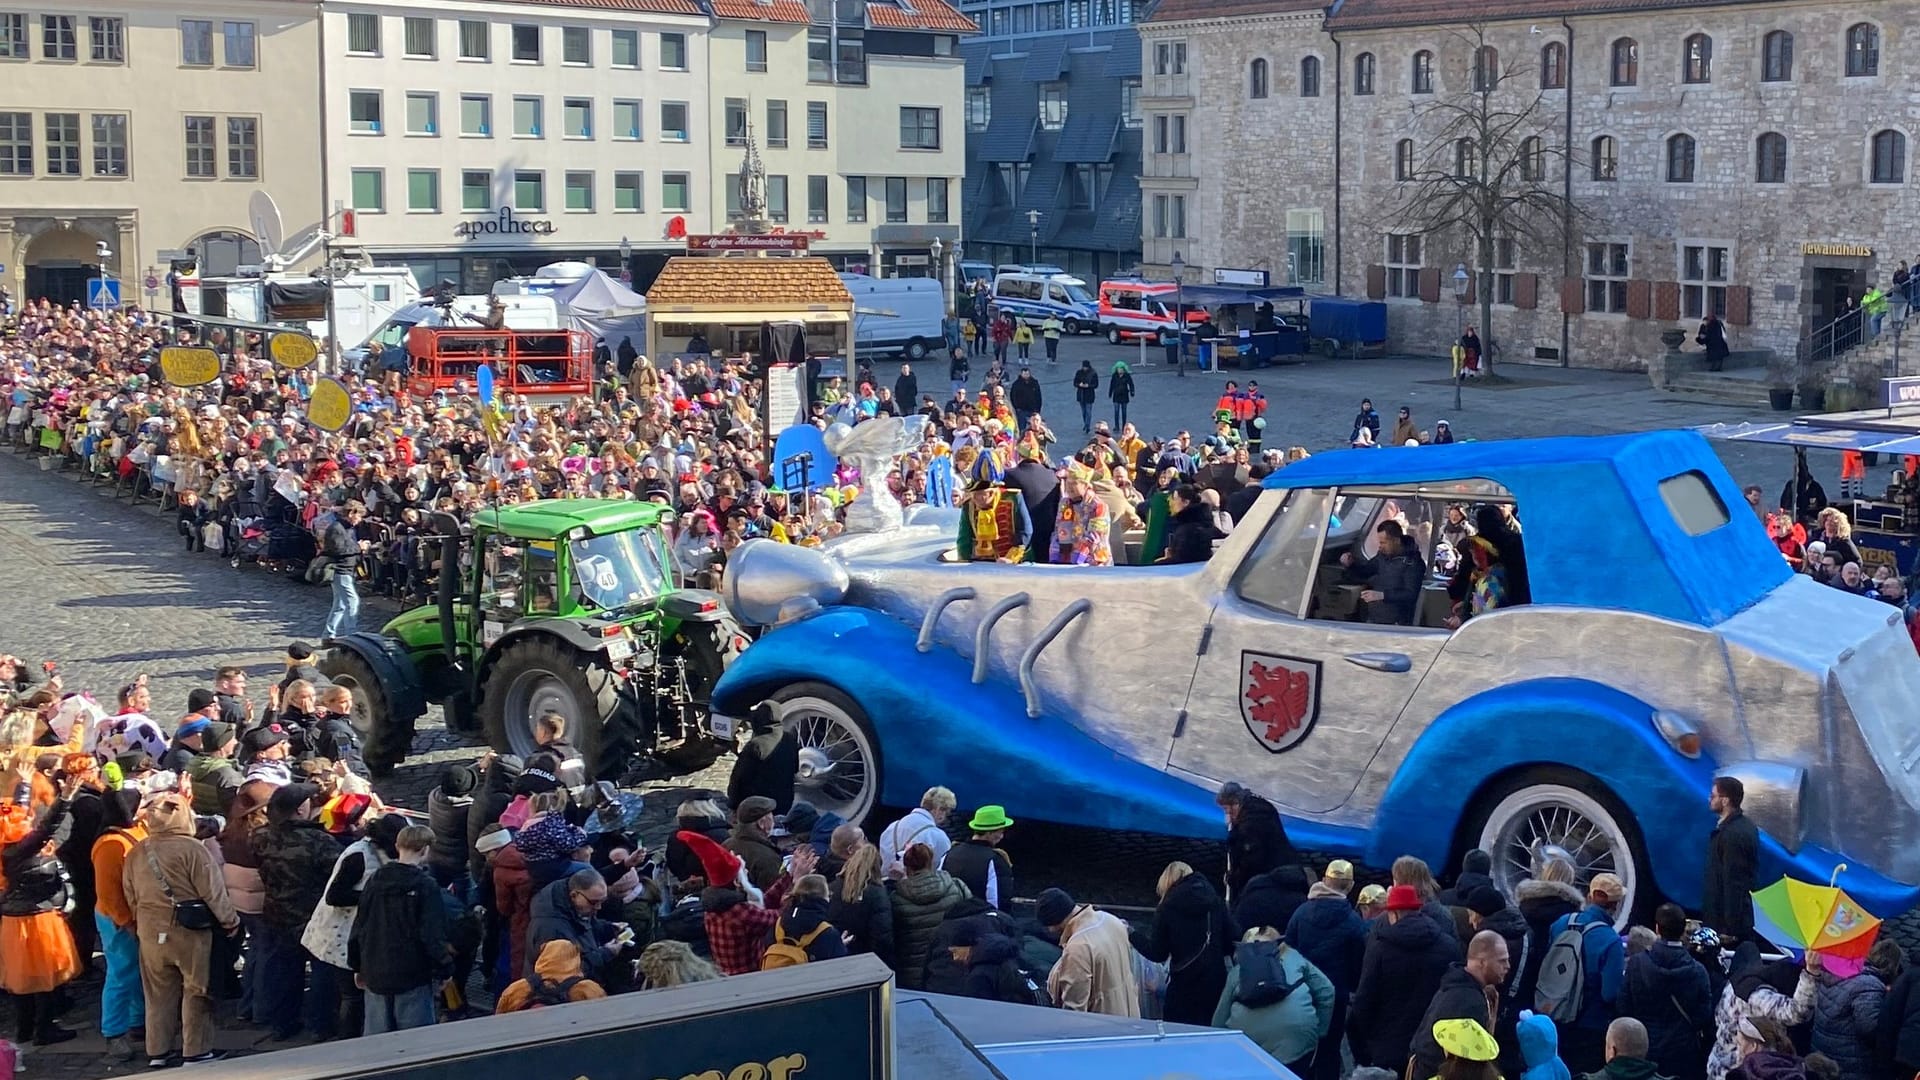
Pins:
x: 1373, y: 14
x: 1187, y: 10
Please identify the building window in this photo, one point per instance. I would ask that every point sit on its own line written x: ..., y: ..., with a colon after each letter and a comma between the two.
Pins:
x: 201, y: 151
x: 1423, y: 72
x: 1053, y: 105
x: 423, y: 191
x: 1309, y: 76
x: 576, y: 115
x: 16, y: 144
x: 1770, y: 158
x: 363, y: 112
x: 1697, y: 59
x: 576, y: 46
x: 777, y: 124
x: 1466, y: 159
x: 476, y: 190
x: 1169, y: 133
x: 1403, y: 264
x: 1889, y: 157
x: 673, y: 121
x: 416, y: 41
x: 1863, y: 50
x: 1051, y: 15
x: 108, y: 39
x: 1776, y: 57
x: 1403, y: 160
x: 816, y: 200
x: 1363, y: 73
x: 777, y: 199
x: 1170, y: 58
x: 110, y: 144
x: 1257, y: 79
x: 1533, y: 159
x: 1553, y: 66
x: 423, y: 113
x: 369, y: 191
x: 1703, y: 281
x: 530, y: 190
x: 1606, y: 158
x: 856, y: 199
x: 937, y: 200
x: 673, y: 52
x: 629, y: 192
x: 850, y: 62
x: 526, y: 117
x: 1502, y: 270
x: 626, y: 121
x: 579, y: 192
x: 1625, y: 69
x: 1486, y: 68
x: 676, y: 192
x: 1307, y: 246
x: 58, y: 38
x: 1680, y: 158
x: 1170, y: 217
x: 1080, y: 188
x: 816, y: 125
x: 196, y: 43
x: 363, y: 37
x: 756, y: 50
x: 820, y: 54
x: 919, y: 128
x: 476, y: 40
x: 476, y: 115
x: 896, y: 199
x: 13, y: 37
x: 736, y: 121
x: 1130, y: 103
x: 1607, y: 272
x: 243, y: 148
x: 979, y: 109
x: 1009, y: 182
x: 625, y: 53
x: 526, y: 43
x: 240, y: 40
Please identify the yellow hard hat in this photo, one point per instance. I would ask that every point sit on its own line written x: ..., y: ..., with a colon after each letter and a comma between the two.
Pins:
x: 1465, y: 1039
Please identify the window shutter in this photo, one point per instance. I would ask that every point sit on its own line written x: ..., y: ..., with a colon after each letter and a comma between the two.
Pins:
x: 1430, y: 284
x: 1473, y: 290
x: 1526, y: 291
x: 1376, y: 282
x: 1666, y: 301
x: 1573, y: 296
x: 1639, y: 299
x: 1739, y: 305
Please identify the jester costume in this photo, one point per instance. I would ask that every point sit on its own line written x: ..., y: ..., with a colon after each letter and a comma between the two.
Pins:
x: 999, y: 530
x: 1081, y: 531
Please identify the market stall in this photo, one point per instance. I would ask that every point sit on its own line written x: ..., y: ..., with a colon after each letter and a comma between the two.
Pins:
x: 1245, y: 326
x: 725, y: 301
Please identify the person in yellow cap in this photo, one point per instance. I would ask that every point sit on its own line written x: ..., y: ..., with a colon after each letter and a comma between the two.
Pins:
x: 1470, y: 1051
x: 1082, y: 528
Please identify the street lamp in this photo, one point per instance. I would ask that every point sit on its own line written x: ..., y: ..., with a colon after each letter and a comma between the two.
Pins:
x: 1460, y: 296
x: 1179, y: 268
x: 1033, y: 237
x: 626, y: 259
x: 104, y: 252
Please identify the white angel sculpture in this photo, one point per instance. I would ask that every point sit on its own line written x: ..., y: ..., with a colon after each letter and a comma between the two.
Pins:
x: 875, y: 448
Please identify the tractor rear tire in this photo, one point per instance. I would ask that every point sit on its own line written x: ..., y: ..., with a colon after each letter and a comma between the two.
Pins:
x: 382, y: 745
x: 540, y: 673
x: 709, y: 648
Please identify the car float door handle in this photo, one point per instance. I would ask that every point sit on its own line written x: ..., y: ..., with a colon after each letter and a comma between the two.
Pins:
x: 1391, y: 662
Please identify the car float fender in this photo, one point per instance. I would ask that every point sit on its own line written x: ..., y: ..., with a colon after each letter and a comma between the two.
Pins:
x: 1576, y: 724
x: 934, y: 725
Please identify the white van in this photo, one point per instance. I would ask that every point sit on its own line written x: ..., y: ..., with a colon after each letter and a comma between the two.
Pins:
x: 897, y: 316
x: 1032, y: 297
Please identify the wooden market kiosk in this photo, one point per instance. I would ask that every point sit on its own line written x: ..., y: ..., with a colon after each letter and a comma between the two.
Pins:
x: 726, y: 299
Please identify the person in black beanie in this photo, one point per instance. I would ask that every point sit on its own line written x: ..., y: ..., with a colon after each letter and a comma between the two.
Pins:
x: 449, y: 806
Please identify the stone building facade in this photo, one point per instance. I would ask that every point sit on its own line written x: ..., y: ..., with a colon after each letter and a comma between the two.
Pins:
x: 1755, y: 160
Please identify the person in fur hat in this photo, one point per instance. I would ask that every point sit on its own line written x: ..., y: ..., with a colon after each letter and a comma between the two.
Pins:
x: 994, y: 525
x: 1081, y: 528
x: 738, y: 918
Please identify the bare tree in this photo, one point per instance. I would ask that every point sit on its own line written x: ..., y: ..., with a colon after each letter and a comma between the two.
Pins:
x: 1484, y: 167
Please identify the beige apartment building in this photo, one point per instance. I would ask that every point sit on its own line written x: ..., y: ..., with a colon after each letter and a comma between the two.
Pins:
x: 140, y: 129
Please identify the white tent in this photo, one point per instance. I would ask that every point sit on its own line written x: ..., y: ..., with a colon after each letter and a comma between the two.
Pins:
x: 606, y: 309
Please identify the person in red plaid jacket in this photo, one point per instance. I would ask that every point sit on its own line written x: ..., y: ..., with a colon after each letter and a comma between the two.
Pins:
x: 739, y: 920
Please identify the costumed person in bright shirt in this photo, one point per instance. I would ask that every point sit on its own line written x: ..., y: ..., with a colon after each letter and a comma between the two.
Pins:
x: 994, y: 526
x: 1480, y: 585
x: 1081, y: 529
x: 37, y: 956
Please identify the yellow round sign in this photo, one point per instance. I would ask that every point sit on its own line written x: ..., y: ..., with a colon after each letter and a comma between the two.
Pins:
x: 330, y: 406
x: 183, y: 365
x: 293, y: 350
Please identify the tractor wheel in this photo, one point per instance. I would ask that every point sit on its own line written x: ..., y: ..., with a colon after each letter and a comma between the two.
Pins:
x: 372, y: 715
x: 536, y: 674
x: 709, y: 648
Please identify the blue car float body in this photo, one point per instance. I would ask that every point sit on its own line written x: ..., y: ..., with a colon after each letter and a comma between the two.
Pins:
x: 1666, y: 642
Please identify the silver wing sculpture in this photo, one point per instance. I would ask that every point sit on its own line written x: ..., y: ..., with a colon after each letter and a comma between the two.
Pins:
x: 875, y: 448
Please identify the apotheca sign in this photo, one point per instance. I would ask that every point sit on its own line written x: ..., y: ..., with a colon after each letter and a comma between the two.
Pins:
x: 503, y: 224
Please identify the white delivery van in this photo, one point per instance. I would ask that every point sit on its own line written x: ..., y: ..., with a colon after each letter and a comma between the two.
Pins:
x: 896, y: 316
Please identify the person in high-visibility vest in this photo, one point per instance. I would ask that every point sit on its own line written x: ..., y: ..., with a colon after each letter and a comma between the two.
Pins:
x: 1853, y: 475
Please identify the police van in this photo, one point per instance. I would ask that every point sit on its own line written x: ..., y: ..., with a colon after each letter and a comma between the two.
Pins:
x: 1031, y: 294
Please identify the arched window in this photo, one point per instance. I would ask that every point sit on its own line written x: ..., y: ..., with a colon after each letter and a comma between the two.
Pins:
x: 1863, y: 49
x: 1533, y: 159
x: 1606, y: 158
x: 1770, y: 158
x: 1423, y: 72
x: 1553, y: 66
x: 1696, y: 58
x: 1889, y: 157
x: 1626, y: 62
x: 1363, y: 73
x: 1403, y: 160
x: 1776, y: 57
x: 1257, y: 79
x: 1466, y: 159
x: 1309, y: 76
x: 1680, y: 154
x: 1486, y: 68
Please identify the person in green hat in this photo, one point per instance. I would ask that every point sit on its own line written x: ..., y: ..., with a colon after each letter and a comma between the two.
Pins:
x: 980, y: 863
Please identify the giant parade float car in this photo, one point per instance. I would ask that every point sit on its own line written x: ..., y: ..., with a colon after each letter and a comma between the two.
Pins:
x: 1666, y: 642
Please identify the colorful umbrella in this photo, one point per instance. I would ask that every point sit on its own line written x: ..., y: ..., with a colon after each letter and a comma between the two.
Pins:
x: 1818, y: 918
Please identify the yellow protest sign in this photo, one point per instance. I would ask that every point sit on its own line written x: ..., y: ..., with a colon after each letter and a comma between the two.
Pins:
x: 330, y: 406
x: 183, y: 365
x: 292, y: 350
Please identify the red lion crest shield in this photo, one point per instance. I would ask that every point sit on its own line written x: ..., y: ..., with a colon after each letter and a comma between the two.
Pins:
x: 1279, y: 698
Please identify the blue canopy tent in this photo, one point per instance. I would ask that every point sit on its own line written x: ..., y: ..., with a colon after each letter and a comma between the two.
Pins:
x: 1252, y: 347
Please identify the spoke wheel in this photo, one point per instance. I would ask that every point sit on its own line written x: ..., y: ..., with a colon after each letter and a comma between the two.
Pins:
x: 1537, y: 820
x: 839, y: 764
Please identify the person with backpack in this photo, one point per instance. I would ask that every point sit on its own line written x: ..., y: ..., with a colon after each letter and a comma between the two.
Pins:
x: 1581, y: 975
x: 1469, y: 991
x: 397, y: 947
x: 1275, y: 996
x: 556, y: 979
x: 991, y: 962
x: 1333, y: 937
x: 802, y: 934
x: 1541, y: 901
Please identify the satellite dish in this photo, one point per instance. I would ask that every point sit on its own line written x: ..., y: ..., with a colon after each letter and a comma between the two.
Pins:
x: 264, y: 215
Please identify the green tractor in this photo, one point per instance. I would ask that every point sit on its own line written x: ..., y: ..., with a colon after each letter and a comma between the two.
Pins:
x: 566, y: 605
